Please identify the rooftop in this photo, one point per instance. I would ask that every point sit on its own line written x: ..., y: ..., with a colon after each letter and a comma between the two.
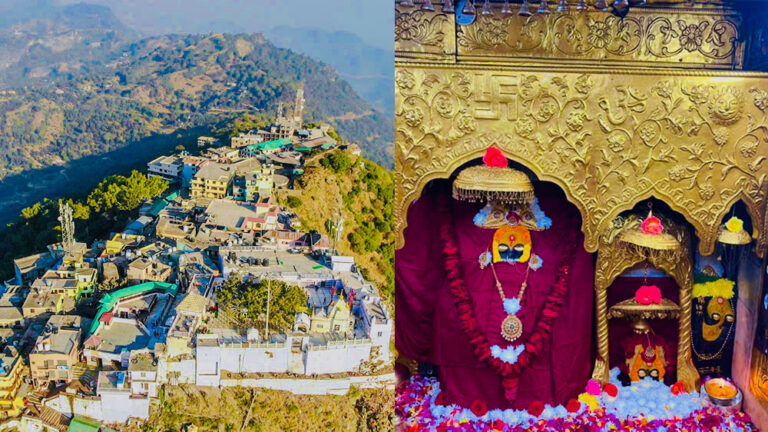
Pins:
x: 142, y: 362
x: 166, y: 160
x: 233, y: 214
x: 121, y: 335
x: 41, y: 300
x: 215, y: 171
x: 193, y: 303
x: 279, y: 263
x: 31, y: 262
x: 61, y: 341
x: 113, y: 381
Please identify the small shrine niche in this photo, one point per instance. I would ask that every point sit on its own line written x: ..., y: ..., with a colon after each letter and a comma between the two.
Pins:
x: 643, y: 284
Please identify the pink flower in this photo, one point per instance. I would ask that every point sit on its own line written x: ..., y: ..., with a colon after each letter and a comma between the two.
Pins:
x: 593, y: 388
x: 648, y: 294
x: 652, y: 225
x: 495, y: 158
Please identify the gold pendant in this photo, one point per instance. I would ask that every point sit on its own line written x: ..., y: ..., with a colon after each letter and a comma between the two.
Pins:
x: 511, y: 328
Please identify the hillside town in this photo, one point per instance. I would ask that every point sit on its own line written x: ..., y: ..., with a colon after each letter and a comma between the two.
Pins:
x: 92, y: 332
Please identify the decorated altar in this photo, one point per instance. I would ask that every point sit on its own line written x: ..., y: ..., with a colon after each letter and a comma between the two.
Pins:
x: 579, y: 190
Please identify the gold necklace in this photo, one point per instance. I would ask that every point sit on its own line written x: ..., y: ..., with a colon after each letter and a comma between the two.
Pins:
x: 511, y: 327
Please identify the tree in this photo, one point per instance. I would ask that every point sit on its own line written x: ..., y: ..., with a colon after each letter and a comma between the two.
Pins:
x: 374, y: 411
x: 245, y: 301
x: 293, y: 202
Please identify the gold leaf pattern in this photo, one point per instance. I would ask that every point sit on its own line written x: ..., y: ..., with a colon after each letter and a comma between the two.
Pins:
x: 643, y: 36
x: 608, y: 140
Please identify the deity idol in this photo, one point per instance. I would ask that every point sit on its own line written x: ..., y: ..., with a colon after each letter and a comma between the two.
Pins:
x: 494, y: 288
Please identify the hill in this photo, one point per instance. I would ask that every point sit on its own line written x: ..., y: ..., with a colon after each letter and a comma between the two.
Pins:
x: 368, y: 69
x: 230, y: 409
x: 155, y: 89
x: 363, y: 192
x: 42, y: 41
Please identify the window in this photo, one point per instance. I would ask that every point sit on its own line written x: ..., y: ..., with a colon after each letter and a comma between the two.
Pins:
x: 381, y: 333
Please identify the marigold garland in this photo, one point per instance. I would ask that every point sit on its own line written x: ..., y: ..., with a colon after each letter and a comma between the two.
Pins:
x: 716, y: 288
x: 510, y: 373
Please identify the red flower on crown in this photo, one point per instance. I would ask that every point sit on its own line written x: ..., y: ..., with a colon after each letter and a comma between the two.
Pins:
x: 652, y: 225
x: 495, y: 158
x: 648, y: 294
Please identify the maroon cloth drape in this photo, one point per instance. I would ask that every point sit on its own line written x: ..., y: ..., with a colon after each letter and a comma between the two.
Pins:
x: 427, y: 323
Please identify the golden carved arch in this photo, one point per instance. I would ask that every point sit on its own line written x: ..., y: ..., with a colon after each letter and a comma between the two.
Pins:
x: 616, y: 257
x: 609, y: 139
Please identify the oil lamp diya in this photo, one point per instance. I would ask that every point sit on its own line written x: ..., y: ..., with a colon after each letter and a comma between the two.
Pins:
x: 721, y: 393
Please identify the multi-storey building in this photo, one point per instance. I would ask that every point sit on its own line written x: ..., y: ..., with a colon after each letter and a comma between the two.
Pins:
x: 246, y: 139
x: 11, y: 379
x: 190, y: 166
x: 167, y: 167
x: 57, y: 349
x: 212, y: 180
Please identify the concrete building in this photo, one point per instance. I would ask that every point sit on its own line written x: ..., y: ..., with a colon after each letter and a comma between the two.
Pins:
x: 148, y: 270
x: 262, y: 263
x: 115, y: 388
x: 31, y: 267
x: 284, y: 239
x: 190, y: 166
x: 12, y: 373
x: 189, y: 315
x: 252, y: 180
x: 377, y: 324
x: 224, y: 154
x: 45, y: 303
x: 246, y: 139
x: 238, y: 216
x: 142, y: 369
x: 203, y: 141
x: 166, y: 167
x: 57, y: 349
x: 276, y: 132
x: 212, y: 180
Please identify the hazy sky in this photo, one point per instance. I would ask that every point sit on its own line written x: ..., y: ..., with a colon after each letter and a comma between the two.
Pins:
x: 371, y: 20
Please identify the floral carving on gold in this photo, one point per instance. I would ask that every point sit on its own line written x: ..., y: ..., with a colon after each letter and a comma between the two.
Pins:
x: 645, y: 35
x: 421, y: 30
x: 608, y: 140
